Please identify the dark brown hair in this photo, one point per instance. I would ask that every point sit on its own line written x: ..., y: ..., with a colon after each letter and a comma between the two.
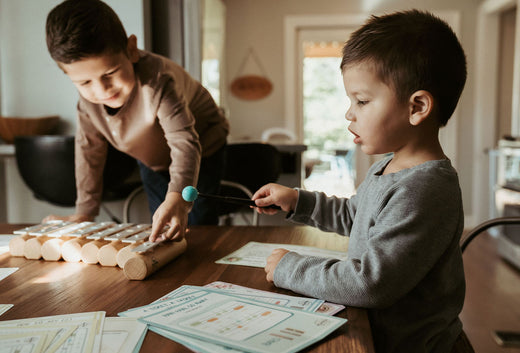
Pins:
x: 410, y: 51
x: 77, y: 29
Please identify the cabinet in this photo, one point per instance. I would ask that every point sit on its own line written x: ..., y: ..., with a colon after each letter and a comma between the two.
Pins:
x: 504, y: 169
x: 505, y: 188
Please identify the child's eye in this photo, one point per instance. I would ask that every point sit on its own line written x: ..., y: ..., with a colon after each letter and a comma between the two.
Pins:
x: 362, y: 103
x: 84, y: 83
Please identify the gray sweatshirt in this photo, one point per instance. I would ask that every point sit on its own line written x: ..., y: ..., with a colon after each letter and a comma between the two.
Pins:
x: 404, y: 261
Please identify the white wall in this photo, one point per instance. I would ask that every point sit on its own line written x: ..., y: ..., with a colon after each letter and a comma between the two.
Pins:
x: 32, y: 85
x: 30, y: 82
x: 260, y: 25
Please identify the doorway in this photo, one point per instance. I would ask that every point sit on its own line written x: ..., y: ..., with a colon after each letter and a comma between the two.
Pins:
x: 330, y: 148
x: 329, y: 31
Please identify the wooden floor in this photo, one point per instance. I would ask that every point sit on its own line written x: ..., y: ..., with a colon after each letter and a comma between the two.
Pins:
x: 492, y: 296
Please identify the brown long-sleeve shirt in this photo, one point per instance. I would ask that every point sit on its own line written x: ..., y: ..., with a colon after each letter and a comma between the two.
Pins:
x: 168, y: 123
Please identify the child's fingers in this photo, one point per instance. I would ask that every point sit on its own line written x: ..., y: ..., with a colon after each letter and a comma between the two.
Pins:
x: 157, y: 227
x: 267, y: 211
x: 264, y: 201
x: 173, y: 233
x: 262, y: 192
x: 51, y: 218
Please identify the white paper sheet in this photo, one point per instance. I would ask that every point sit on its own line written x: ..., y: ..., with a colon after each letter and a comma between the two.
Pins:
x: 122, y: 335
x: 5, y: 307
x: 7, y: 271
x: 4, y: 242
x: 254, y: 254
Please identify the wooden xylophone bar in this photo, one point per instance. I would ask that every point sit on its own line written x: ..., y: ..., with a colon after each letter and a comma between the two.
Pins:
x: 106, y: 243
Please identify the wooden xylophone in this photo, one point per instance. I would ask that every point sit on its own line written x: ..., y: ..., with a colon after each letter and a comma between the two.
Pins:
x: 107, y: 243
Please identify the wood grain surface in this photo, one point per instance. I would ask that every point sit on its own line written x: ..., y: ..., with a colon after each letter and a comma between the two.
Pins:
x: 42, y: 288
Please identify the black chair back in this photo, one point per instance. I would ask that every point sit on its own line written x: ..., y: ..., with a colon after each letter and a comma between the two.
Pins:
x: 251, y: 165
x: 46, y: 164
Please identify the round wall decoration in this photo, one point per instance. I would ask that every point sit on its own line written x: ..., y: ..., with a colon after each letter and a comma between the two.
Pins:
x: 251, y: 87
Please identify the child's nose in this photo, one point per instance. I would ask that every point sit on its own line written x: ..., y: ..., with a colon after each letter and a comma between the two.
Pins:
x: 106, y: 83
x: 103, y: 86
x: 349, y: 115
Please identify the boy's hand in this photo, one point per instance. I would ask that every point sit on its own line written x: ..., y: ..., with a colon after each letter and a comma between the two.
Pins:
x: 174, y: 213
x: 275, y: 194
x: 272, y: 262
x: 72, y: 218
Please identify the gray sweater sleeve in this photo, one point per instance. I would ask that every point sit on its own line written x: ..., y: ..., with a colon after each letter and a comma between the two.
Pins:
x: 400, y: 226
x: 339, y: 213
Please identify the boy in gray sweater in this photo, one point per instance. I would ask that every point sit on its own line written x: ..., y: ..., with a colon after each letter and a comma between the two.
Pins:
x: 403, y: 74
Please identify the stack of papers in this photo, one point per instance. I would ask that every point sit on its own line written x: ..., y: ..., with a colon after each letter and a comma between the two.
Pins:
x: 73, y: 333
x: 227, y: 320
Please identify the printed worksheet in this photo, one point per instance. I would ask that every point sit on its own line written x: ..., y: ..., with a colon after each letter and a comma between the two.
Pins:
x: 55, y: 335
x: 84, y: 338
x: 29, y: 342
x: 301, y: 303
x: 176, y: 297
x: 242, y: 324
x: 254, y: 254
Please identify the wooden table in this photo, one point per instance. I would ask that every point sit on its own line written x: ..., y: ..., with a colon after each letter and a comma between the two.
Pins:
x: 41, y: 288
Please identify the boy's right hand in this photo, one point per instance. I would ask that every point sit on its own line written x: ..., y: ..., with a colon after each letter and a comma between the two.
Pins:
x: 275, y: 194
x: 77, y: 218
x: 173, y: 212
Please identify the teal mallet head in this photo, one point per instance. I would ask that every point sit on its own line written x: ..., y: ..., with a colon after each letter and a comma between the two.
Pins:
x: 189, y: 194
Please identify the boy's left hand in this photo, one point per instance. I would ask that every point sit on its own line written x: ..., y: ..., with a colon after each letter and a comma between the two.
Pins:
x: 174, y: 213
x: 272, y: 262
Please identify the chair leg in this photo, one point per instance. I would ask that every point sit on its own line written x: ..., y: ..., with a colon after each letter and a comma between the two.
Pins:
x: 110, y: 214
x: 128, y: 203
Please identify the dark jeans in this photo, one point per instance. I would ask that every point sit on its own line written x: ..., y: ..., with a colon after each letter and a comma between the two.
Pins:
x: 204, y: 211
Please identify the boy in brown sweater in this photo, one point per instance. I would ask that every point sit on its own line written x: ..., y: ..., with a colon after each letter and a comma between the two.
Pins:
x: 142, y: 104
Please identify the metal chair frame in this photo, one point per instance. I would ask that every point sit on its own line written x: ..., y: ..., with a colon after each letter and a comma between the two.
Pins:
x: 473, y: 233
x: 479, y: 229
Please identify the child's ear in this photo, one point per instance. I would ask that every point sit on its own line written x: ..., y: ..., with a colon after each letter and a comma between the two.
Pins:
x: 131, y: 49
x: 421, y: 106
